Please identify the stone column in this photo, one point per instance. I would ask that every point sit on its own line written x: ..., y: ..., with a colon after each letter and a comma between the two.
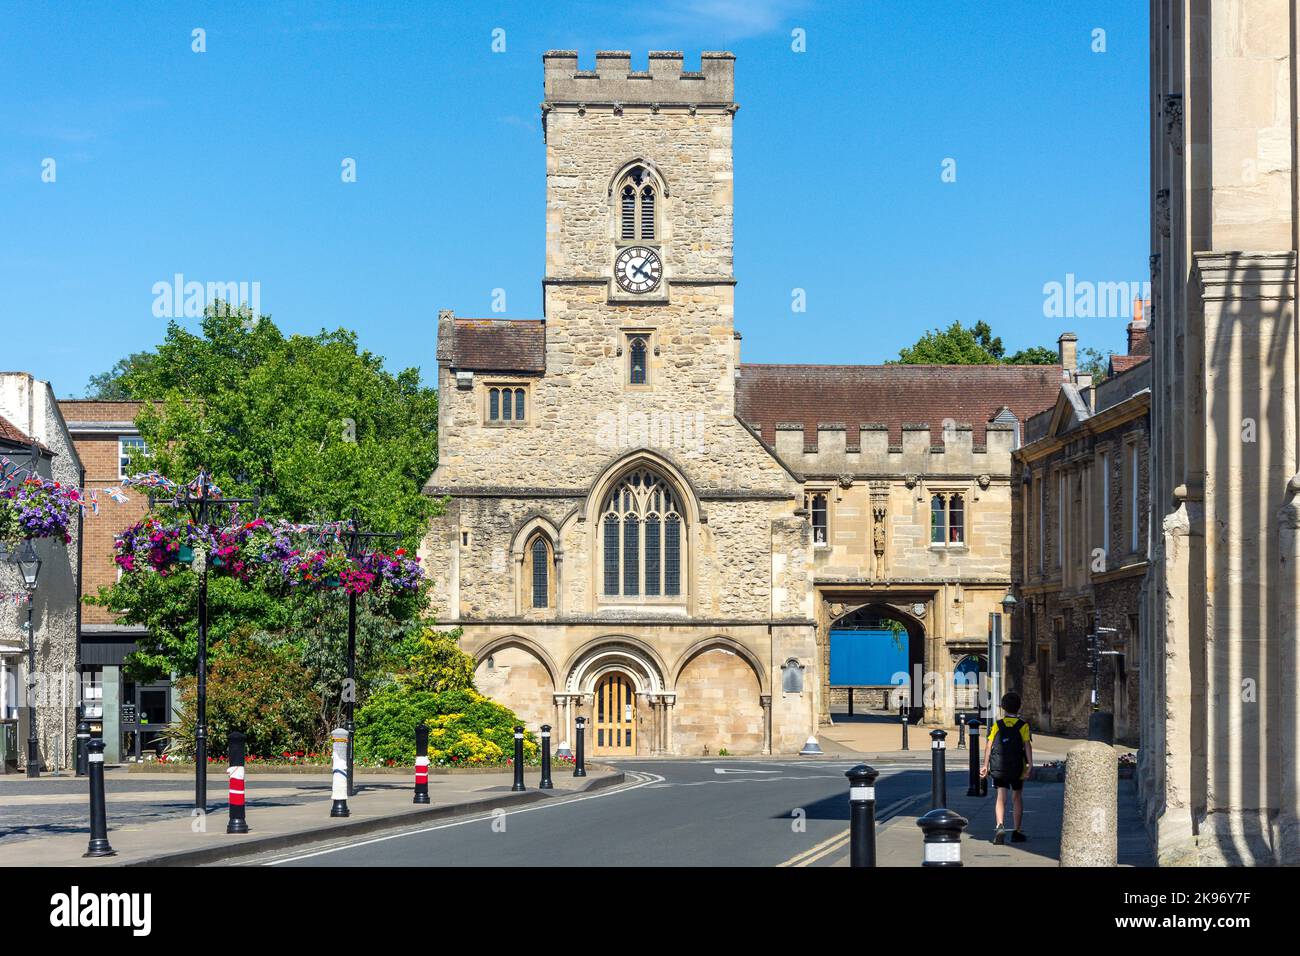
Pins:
x: 765, y: 700
x: 1288, y: 823
x: 669, y: 701
x: 656, y: 708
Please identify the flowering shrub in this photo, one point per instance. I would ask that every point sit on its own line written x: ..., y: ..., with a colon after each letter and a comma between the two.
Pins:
x: 465, y: 729
x: 37, y: 509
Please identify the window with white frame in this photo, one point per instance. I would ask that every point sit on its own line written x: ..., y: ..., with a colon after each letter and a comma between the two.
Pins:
x: 817, y: 503
x: 947, y: 519
x: 129, y: 447
x: 643, y: 539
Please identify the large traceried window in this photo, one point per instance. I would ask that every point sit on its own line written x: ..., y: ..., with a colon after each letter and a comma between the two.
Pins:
x: 642, y: 524
x: 636, y: 194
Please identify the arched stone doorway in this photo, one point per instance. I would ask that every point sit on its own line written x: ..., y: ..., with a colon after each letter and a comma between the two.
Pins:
x: 879, y: 623
x: 617, y: 684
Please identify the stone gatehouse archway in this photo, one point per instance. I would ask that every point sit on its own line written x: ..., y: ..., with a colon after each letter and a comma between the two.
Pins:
x: 912, y: 609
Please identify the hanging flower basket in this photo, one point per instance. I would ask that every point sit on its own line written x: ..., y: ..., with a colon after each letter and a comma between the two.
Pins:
x: 37, y: 508
x: 269, y: 553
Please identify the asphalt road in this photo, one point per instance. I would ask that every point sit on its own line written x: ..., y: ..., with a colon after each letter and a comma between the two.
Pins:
x: 729, y: 812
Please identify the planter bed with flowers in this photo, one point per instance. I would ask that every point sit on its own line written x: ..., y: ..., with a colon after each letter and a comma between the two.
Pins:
x: 308, y: 765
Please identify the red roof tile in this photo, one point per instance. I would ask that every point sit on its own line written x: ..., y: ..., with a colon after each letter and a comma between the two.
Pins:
x: 1122, y: 363
x: 11, y: 433
x: 891, y: 395
x: 500, y: 345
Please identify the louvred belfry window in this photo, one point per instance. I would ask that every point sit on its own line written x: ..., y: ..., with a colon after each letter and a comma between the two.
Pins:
x: 636, y: 206
x: 642, y: 523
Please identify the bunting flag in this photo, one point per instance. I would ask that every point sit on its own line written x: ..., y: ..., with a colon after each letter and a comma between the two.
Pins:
x: 91, y: 501
x: 18, y: 597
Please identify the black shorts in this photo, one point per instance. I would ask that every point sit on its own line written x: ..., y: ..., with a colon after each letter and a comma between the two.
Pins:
x: 1004, y: 784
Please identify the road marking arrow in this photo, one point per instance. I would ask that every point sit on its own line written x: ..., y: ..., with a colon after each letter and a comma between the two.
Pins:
x: 728, y: 770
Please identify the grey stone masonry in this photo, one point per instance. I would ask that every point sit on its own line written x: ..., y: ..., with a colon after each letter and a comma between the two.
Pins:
x: 615, y: 82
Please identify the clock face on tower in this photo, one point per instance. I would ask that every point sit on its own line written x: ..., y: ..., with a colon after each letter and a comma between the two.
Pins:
x: 638, y: 269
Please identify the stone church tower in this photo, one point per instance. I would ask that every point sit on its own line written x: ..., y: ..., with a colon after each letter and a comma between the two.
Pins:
x: 617, y: 544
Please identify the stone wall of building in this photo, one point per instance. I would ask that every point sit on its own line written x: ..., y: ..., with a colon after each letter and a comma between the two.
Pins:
x: 1218, y: 769
x: 30, y: 405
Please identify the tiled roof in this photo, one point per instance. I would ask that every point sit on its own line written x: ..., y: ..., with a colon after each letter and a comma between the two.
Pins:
x: 891, y: 395
x: 1122, y: 363
x: 499, y: 345
x: 11, y: 433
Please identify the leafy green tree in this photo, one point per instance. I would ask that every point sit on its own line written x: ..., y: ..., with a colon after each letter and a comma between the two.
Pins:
x: 111, y: 386
x: 973, y: 345
x: 955, y: 345
x: 315, y: 426
x: 258, y: 688
x: 1096, y: 364
x: 1035, y: 355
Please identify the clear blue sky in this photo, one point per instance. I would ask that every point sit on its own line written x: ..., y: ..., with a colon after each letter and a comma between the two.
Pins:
x: 225, y: 165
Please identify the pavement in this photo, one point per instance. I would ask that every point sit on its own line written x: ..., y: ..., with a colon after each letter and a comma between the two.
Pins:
x: 733, y: 811
x: 152, y: 819
x: 876, y: 733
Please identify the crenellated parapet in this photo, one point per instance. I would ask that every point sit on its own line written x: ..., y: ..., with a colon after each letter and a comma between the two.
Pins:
x: 947, y: 449
x: 615, y: 84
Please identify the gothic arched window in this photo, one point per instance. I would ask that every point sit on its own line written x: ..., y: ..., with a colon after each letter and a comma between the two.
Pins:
x: 636, y: 205
x: 636, y: 362
x: 642, y: 540
x: 539, y: 577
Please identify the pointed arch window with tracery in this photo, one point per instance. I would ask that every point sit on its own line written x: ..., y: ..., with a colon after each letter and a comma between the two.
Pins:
x: 643, y: 541
x: 637, y: 194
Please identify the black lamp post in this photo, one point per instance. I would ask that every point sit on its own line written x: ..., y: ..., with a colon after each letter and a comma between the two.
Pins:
x: 29, y: 566
x: 356, y: 542
x: 199, y: 508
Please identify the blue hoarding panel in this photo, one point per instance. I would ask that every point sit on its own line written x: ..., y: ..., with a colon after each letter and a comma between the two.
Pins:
x: 866, y: 658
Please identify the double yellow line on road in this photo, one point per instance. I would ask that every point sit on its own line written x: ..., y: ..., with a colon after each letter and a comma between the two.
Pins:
x: 840, y: 841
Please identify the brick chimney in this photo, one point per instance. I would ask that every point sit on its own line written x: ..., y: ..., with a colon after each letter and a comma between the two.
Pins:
x: 1137, y: 330
x: 1068, y: 346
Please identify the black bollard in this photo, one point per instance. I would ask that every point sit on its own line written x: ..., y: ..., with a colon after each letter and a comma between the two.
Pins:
x: 579, y: 766
x: 83, y: 738
x: 98, y: 819
x: 421, y: 764
x: 238, y: 823
x: 902, y: 716
x: 942, y: 829
x: 938, y: 769
x: 519, y: 759
x: 961, y: 731
x: 862, y: 815
x: 974, y: 789
x: 546, y: 783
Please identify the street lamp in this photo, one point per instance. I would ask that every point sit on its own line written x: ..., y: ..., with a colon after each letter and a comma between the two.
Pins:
x: 29, y: 566
x: 356, y: 541
x: 198, y: 506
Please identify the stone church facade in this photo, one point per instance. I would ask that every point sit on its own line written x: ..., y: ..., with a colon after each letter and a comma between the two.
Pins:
x: 643, y: 530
